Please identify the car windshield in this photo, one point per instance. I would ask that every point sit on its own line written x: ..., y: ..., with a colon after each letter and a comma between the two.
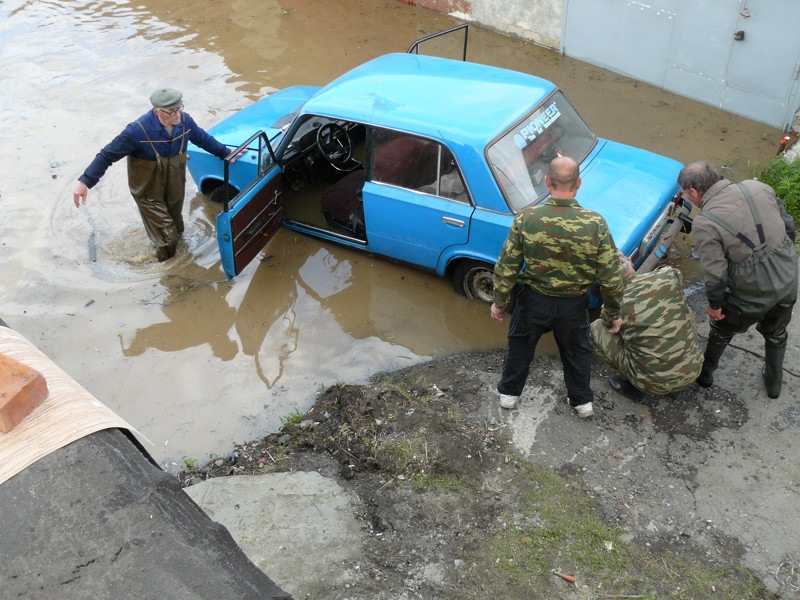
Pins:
x: 520, y: 157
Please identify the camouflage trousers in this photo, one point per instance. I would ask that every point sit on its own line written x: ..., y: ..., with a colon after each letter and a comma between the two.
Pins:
x: 657, y: 376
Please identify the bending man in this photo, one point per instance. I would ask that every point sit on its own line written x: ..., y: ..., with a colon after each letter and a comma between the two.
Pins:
x: 746, y: 244
x: 656, y: 349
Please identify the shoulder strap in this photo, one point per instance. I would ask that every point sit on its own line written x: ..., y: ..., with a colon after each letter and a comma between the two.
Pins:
x: 754, y: 211
x: 730, y: 228
x: 149, y: 141
x: 733, y: 231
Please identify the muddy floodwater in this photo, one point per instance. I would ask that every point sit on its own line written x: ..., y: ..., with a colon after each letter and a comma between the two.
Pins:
x: 194, y: 362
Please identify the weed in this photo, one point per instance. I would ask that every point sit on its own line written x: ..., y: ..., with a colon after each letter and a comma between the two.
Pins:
x: 191, y: 465
x: 293, y: 418
x: 408, y: 454
x: 784, y: 177
x: 403, y: 391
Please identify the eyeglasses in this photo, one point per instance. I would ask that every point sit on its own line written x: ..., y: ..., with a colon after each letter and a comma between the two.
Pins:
x: 172, y: 111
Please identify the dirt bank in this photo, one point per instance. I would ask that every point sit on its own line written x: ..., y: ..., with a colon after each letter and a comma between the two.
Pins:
x: 683, y: 496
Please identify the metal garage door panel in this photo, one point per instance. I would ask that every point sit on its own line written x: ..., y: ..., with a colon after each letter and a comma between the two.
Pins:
x: 763, y: 66
x: 625, y: 36
x: 688, y: 47
x: 701, y: 42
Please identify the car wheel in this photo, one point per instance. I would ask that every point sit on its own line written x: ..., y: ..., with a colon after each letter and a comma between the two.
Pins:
x: 474, y: 279
x: 218, y: 193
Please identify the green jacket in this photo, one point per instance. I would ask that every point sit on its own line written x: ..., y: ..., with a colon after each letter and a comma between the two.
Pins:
x: 564, y: 248
x: 657, y: 348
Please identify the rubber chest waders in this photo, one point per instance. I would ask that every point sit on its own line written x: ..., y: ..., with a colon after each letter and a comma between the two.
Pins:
x: 158, y: 187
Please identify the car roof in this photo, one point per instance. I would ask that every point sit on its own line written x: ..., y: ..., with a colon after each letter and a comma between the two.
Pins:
x: 438, y: 97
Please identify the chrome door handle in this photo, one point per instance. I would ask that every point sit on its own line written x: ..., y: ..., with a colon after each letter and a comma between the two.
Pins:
x: 452, y: 221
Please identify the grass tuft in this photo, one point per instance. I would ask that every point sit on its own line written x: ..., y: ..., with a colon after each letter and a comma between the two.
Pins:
x: 293, y: 418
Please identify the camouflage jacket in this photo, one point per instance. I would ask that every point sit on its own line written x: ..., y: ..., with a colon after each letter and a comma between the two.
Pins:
x: 565, y: 248
x: 657, y: 348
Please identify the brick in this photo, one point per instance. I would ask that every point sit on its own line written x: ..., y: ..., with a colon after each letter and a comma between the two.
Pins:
x: 22, y: 389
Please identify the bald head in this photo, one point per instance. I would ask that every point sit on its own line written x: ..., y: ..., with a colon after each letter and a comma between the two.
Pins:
x: 563, y: 177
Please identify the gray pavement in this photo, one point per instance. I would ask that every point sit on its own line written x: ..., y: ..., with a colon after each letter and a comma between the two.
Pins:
x: 97, y: 519
x: 738, y: 481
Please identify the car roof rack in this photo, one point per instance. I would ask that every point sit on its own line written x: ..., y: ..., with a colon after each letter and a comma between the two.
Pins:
x: 414, y: 48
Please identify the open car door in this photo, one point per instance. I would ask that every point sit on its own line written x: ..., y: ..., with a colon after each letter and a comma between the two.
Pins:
x: 251, y: 218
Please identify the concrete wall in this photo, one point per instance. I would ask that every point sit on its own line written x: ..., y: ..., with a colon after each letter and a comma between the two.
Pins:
x: 538, y: 21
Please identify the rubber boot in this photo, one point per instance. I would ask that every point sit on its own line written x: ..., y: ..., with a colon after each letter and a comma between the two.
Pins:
x: 714, y: 349
x: 773, y: 368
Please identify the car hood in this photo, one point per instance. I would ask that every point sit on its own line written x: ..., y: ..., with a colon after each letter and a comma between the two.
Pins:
x: 270, y: 115
x: 630, y: 187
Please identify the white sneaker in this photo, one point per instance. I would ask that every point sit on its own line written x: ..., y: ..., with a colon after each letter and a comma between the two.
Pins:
x: 584, y: 410
x: 507, y: 401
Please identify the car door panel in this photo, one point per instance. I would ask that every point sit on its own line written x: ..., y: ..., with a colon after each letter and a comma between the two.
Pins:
x: 251, y: 220
x: 413, y: 227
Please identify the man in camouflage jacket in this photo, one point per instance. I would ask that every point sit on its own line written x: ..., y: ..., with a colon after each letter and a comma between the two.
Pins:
x: 556, y: 250
x: 656, y: 350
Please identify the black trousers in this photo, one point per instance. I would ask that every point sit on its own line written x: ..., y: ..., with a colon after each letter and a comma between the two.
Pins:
x: 568, y: 318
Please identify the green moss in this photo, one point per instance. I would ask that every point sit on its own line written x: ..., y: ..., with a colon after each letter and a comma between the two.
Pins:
x: 431, y: 482
x: 559, y: 529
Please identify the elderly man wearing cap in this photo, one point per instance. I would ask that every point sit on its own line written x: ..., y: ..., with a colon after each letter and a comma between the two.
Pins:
x: 155, y: 145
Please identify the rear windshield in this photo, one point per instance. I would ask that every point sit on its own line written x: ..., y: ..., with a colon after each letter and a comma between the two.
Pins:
x: 520, y: 157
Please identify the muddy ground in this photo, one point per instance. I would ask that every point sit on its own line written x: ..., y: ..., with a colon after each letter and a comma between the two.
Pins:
x: 459, y: 499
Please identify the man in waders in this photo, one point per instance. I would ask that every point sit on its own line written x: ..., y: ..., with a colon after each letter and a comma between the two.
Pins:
x: 155, y: 145
x: 745, y: 240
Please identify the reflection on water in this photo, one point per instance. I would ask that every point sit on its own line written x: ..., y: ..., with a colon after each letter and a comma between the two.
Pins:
x: 194, y: 361
x: 183, y: 328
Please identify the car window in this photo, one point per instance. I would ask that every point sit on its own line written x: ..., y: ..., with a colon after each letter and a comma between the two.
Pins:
x: 520, y: 157
x: 417, y: 164
x: 449, y: 183
x: 403, y: 160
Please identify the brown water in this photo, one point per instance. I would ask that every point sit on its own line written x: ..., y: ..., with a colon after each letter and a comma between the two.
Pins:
x: 194, y: 362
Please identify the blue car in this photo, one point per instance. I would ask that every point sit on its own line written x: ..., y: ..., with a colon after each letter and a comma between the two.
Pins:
x: 421, y: 160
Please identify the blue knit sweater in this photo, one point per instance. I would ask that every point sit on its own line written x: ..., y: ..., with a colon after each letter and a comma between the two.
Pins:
x: 133, y: 142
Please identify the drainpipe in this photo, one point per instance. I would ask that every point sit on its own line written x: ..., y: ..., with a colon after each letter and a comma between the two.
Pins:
x: 680, y: 215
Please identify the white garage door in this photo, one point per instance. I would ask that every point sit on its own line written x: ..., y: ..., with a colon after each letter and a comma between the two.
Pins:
x: 740, y: 55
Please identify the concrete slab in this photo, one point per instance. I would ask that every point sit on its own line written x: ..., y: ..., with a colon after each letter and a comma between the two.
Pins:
x: 300, y: 527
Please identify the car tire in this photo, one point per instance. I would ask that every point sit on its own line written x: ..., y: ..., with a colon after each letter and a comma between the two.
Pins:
x: 218, y: 193
x: 474, y: 279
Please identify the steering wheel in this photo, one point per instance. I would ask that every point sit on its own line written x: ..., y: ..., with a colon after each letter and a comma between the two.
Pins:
x: 335, y: 144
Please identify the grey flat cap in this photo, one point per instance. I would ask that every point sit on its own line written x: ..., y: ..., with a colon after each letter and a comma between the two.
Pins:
x: 166, y: 98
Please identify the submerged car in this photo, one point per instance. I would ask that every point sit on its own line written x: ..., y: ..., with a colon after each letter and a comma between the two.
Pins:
x: 422, y: 160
